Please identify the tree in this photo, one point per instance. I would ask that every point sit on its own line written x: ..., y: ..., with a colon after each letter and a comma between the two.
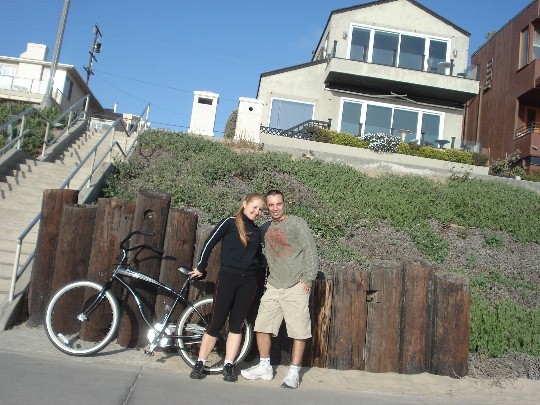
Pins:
x: 230, y: 126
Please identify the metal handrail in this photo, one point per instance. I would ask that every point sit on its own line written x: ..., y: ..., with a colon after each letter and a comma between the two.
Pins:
x: 72, y: 119
x: 138, y: 130
x: 526, y: 129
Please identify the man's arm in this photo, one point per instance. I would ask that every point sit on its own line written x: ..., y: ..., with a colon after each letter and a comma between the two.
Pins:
x: 311, y: 258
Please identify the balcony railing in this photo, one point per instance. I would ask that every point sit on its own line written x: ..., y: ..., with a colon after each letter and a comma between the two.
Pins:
x: 23, y: 85
x: 527, y: 129
x: 298, y: 131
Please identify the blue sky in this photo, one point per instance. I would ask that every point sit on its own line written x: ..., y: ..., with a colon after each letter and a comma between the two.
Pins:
x: 159, y: 52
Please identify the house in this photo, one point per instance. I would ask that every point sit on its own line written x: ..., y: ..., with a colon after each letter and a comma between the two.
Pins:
x: 25, y: 79
x: 390, y: 66
x: 505, y: 114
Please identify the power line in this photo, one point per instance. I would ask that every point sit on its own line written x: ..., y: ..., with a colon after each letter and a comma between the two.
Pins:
x: 156, y: 84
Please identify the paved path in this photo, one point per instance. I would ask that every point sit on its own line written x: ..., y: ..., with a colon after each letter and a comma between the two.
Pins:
x: 32, y: 371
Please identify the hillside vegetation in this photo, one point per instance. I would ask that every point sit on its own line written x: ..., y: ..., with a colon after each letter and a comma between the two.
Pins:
x: 486, y: 230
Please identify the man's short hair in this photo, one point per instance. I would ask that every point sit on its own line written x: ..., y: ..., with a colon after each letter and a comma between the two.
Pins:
x: 274, y: 192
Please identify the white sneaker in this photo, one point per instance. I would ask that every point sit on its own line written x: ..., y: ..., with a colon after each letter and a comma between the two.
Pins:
x: 260, y: 371
x: 291, y: 380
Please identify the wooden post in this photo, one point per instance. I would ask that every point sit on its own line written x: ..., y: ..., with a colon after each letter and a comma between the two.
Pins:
x: 384, y: 307
x: 113, y: 223
x: 415, y: 322
x: 450, y: 325
x: 178, y: 247
x: 71, y: 261
x: 43, y: 266
x: 73, y: 253
x: 346, y: 337
x: 206, y: 286
x: 321, y: 306
x: 151, y: 212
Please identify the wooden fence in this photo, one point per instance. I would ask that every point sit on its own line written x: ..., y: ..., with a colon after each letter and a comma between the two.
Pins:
x: 395, y: 317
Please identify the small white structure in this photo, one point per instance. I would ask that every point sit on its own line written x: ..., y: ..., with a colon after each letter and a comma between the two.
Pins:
x: 203, y: 114
x: 248, y: 122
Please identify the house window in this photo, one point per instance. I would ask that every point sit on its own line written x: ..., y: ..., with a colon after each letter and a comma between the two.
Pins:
x: 350, y: 118
x: 411, y: 52
x: 437, y: 55
x: 385, y: 47
x: 7, y: 70
x: 360, y: 118
x: 360, y: 44
x: 430, y: 127
x: 378, y: 119
x: 524, y: 50
x: 405, y: 124
x: 392, y: 48
x: 536, y: 43
x: 286, y: 114
x: 68, y: 87
x: 489, y: 74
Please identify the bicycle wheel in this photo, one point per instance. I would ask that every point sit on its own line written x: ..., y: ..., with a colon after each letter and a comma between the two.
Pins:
x: 70, y: 330
x: 192, y: 327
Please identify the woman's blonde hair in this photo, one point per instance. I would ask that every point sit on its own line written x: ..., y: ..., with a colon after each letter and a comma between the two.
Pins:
x: 240, y: 222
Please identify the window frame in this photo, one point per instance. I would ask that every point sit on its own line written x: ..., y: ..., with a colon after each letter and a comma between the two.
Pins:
x: 419, y: 111
x: 373, y: 29
x: 290, y: 101
x: 524, y: 47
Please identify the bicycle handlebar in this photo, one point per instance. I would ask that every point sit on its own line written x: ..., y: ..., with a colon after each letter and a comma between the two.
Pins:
x: 158, y: 251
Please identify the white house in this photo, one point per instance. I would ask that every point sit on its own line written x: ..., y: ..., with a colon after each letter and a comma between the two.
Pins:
x: 25, y: 79
x: 391, y: 66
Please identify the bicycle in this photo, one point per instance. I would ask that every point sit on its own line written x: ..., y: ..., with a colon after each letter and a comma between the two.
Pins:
x: 83, y: 316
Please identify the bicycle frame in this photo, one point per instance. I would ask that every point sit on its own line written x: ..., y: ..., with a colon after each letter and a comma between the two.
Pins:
x: 123, y: 270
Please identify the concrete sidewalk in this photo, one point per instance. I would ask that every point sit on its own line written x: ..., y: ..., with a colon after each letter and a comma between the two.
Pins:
x: 33, y: 371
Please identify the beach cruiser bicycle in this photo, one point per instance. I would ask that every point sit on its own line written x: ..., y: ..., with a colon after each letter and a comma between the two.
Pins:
x: 83, y: 316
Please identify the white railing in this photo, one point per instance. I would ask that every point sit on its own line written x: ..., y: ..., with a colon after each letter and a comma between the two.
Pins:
x: 138, y: 128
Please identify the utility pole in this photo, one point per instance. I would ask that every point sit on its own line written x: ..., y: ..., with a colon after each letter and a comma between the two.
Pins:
x: 96, y: 48
x: 47, y: 99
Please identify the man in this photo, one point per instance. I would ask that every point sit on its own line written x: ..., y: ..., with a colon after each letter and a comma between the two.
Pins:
x: 292, y: 261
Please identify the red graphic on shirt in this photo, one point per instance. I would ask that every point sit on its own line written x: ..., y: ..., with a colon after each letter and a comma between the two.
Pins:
x: 277, y: 243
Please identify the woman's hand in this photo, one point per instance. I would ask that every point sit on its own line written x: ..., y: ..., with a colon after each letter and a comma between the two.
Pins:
x: 306, y: 287
x: 195, y: 274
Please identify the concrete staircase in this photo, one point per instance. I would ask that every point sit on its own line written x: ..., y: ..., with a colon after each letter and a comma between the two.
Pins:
x: 21, y: 194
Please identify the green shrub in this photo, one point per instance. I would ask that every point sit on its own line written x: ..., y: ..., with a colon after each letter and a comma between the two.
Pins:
x: 408, y: 148
x: 230, y: 126
x: 342, y: 138
x: 480, y: 159
x: 32, y: 144
x: 503, y: 166
x: 320, y: 134
x: 534, y: 176
x: 498, y: 327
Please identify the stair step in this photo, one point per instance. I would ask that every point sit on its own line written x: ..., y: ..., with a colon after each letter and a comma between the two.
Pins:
x: 13, y: 234
x: 10, y: 245
x: 21, y: 195
x: 8, y: 257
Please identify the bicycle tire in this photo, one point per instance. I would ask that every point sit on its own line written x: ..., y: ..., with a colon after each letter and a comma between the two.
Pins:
x: 76, y: 337
x: 191, y: 324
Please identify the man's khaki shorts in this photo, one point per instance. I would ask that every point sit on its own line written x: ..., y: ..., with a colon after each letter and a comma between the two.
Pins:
x: 289, y: 303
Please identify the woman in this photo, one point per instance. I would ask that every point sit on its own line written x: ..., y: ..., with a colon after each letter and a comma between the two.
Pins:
x: 236, y: 285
